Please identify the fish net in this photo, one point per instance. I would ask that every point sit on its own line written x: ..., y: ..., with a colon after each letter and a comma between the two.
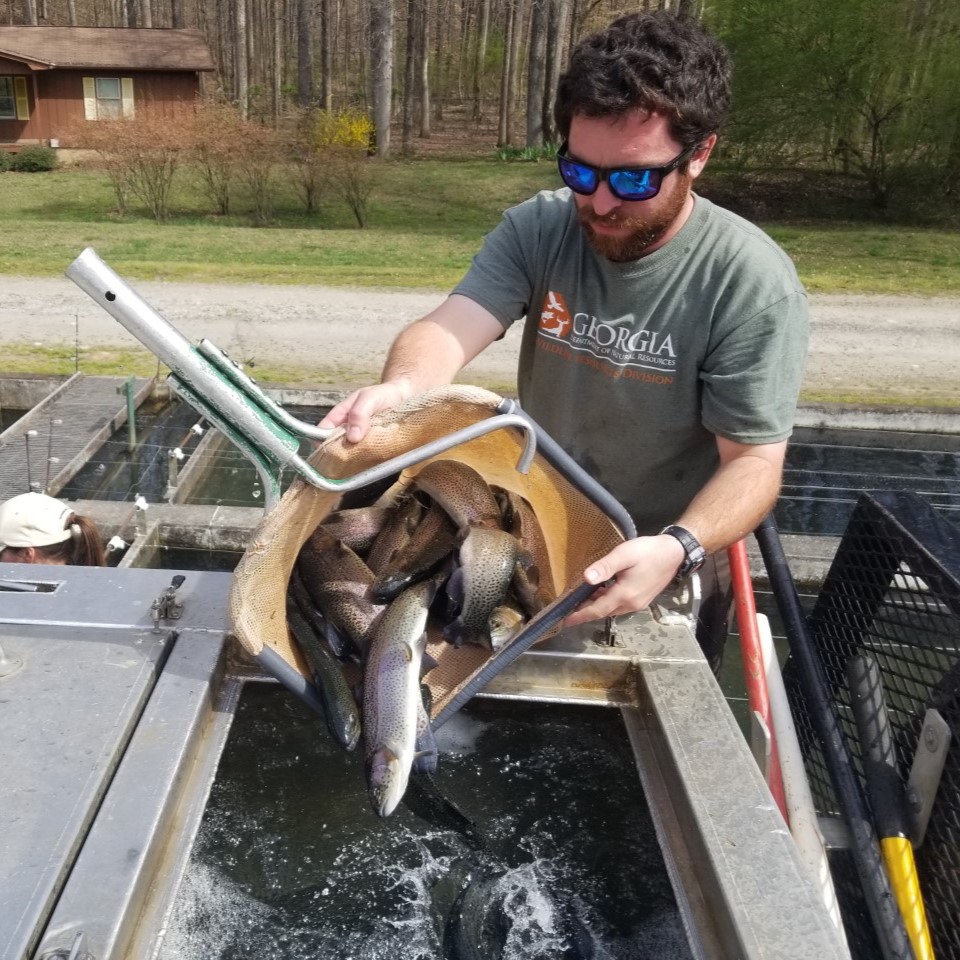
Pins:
x: 575, y: 530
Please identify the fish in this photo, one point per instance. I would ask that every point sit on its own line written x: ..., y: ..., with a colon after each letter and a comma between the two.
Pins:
x: 461, y: 491
x: 481, y: 922
x: 339, y: 645
x: 425, y: 751
x: 391, y: 694
x: 505, y: 621
x: 434, y: 539
x: 426, y: 800
x: 339, y: 583
x: 533, y: 578
x: 357, y: 527
x: 339, y: 705
x: 488, y: 558
x: 477, y: 925
x: 397, y: 530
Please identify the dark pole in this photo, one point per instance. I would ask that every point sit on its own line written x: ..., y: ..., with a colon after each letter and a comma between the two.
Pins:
x: 886, y: 918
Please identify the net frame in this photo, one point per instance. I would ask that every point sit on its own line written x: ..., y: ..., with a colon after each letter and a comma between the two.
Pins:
x: 576, y: 531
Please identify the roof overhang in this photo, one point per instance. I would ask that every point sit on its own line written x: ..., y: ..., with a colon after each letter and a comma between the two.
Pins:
x: 30, y: 62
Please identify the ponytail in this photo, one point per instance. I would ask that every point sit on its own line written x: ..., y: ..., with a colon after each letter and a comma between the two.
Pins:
x: 84, y: 548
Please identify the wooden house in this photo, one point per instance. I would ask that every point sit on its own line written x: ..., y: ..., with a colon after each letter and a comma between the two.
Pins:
x: 53, y: 77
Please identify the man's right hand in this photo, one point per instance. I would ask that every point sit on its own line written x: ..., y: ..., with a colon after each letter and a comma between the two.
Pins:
x: 356, y: 410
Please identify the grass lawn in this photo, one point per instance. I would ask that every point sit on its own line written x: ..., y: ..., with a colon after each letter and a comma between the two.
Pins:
x: 427, y: 218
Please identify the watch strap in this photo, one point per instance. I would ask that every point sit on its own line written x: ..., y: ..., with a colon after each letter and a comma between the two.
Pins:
x: 694, y: 553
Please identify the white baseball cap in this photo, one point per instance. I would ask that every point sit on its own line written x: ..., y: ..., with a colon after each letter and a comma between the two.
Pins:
x: 33, y: 520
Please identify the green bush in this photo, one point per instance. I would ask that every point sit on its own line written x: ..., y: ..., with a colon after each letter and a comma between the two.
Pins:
x: 35, y: 159
x: 6, y: 160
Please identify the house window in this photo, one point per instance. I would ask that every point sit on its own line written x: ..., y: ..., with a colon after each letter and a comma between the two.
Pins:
x: 109, y: 103
x: 8, y: 102
x: 14, y: 103
x: 107, y: 98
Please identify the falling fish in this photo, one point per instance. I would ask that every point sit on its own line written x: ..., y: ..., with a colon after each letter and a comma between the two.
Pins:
x: 339, y: 705
x: 391, y: 694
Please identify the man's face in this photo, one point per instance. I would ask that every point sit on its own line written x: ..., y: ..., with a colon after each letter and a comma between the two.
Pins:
x: 622, y: 230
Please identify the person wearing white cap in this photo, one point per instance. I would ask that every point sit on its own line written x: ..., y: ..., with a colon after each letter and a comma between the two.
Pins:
x: 35, y: 528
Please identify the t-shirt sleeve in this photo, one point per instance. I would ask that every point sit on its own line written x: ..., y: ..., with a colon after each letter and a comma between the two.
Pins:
x: 751, y: 376
x: 500, y: 277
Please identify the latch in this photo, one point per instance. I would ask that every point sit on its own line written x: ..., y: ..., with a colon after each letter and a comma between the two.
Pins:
x: 168, y: 606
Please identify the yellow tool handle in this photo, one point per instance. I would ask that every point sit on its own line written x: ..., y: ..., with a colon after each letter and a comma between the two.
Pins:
x: 902, y: 870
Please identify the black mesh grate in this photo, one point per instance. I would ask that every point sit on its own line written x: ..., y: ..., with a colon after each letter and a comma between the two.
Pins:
x: 893, y: 592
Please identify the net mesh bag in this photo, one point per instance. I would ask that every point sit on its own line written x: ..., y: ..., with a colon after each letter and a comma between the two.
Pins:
x: 576, y: 531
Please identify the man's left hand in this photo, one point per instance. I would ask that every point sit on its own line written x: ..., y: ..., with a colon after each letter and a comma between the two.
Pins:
x: 634, y: 573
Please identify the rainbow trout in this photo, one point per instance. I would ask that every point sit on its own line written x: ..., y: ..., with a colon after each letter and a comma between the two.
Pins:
x: 339, y: 583
x: 399, y: 527
x: 434, y: 539
x: 391, y: 695
x: 357, y: 527
x: 487, y: 561
x: 461, y: 491
x: 533, y: 579
x: 339, y: 706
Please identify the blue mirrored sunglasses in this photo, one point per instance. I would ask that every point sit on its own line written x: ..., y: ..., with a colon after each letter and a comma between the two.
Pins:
x: 626, y: 183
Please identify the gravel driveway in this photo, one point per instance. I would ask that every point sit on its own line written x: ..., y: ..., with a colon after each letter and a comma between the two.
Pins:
x: 863, y: 348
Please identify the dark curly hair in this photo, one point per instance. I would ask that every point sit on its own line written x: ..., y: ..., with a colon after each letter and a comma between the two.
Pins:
x: 651, y: 61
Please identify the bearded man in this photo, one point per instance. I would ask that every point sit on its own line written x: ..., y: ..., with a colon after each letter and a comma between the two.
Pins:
x: 665, y: 337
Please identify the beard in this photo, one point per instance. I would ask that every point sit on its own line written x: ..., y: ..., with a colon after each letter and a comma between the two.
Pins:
x: 646, y: 231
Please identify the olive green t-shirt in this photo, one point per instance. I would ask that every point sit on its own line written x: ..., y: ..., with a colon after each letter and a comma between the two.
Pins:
x: 634, y: 368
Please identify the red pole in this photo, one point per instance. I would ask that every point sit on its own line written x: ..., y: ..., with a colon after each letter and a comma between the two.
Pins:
x: 754, y: 674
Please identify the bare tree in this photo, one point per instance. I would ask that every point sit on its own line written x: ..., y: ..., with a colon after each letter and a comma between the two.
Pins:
x: 506, y: 80
x: 409, y: 78
x: 276, y: 27
x: 480, y: 59
x: 536, y: 72
x: 326, y: 57
x: 556, y: 31
x: 381, y: 71
x: 423, y: 56
x: 304, y: 52
x: 241, y: 75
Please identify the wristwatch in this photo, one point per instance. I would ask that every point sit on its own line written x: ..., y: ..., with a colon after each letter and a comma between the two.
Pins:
x: 695, y: 554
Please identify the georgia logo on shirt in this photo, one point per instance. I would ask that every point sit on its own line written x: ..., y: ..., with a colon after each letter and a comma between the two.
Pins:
x: 555, y: 319
x: 614, y: 347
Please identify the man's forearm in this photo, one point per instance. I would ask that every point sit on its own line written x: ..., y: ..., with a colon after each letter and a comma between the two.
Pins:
x: 735, y: 499
x: 432, y: 351
x: 424, y: 355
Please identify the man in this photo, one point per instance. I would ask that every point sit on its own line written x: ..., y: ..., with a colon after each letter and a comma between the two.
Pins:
x: 665, y: 337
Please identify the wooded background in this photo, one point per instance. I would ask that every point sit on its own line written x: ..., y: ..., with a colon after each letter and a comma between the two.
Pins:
x: 867, y: 87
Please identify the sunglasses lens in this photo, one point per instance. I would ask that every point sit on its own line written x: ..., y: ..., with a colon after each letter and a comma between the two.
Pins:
x: 635, y: 184
x: 578, y: 178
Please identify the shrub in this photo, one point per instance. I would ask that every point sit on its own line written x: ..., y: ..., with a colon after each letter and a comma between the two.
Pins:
x: 141, y: 155
x: 216, y: 137
x: 6, y: 161
x: 35, y: 159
